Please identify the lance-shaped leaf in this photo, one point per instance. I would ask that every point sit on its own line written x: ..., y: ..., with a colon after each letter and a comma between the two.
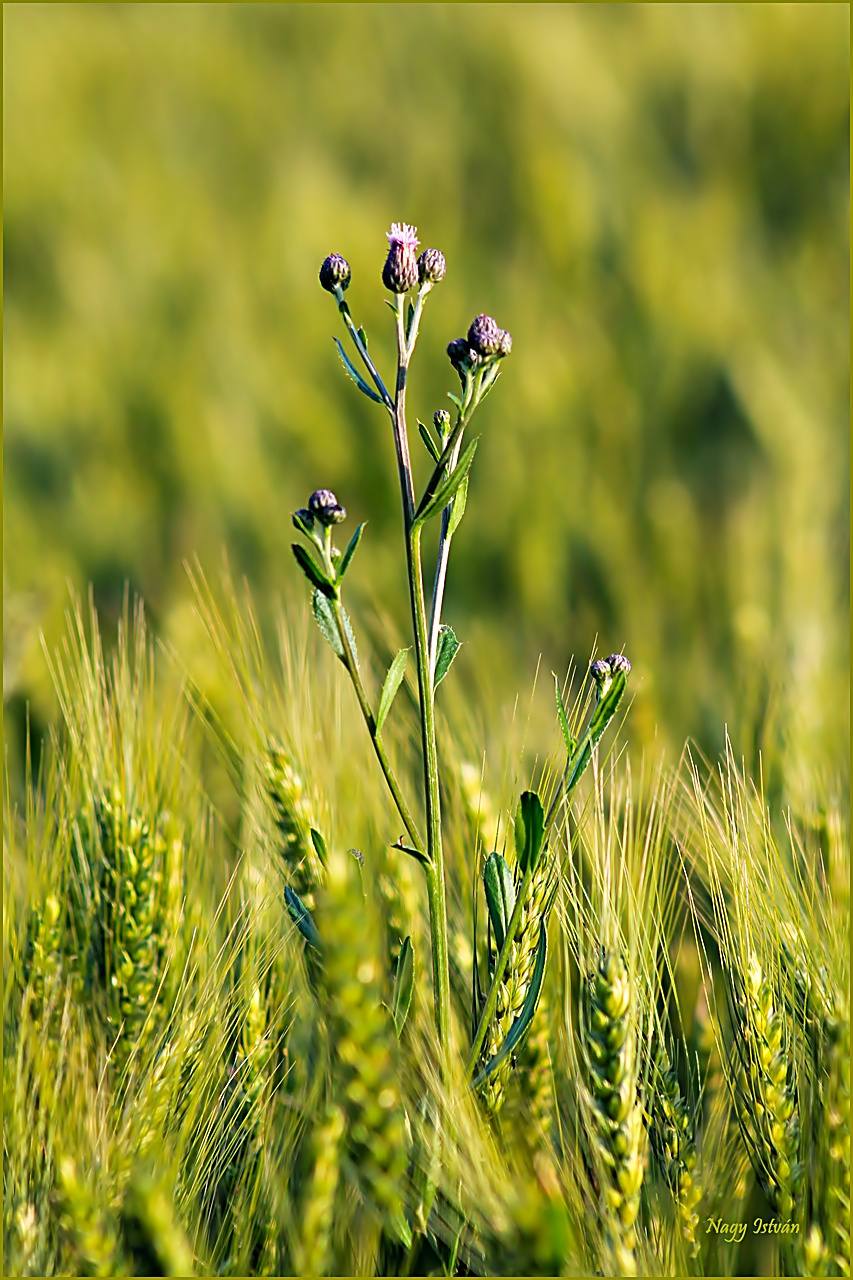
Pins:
x: 393, y: 680
x: 328, y: 624
x: 563, y: 718
x: 446, y: 650
x: 604, y: 712
x: 529, y: 831
x: 525, y: 1016
x: 500, y: 894
x: 432, y: 447
x: 356, y: 376
x: 301, y: 917
x: 352, y: 547
x: 319, y: 846
x: 444, y: 492
x: 404, y: 985
x: 312, y: 570
x: 457, y: 511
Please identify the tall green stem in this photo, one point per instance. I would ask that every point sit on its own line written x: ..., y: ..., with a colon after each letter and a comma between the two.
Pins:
x: 436, y: 892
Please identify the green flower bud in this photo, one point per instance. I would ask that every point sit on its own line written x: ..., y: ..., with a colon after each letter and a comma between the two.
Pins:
x: 335, y: 273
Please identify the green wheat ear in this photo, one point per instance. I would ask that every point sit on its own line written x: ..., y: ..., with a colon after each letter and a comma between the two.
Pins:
x: 673, y: 1141
x: 312, y: 1256
x: 616, y: 1129
x: 361, y: 1036
x: 765, y: 1089
x: 517, y: 977
x: 294, y: 821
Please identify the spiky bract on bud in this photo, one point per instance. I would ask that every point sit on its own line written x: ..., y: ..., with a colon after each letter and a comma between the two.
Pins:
x: 400, y: 273
x: 432, y: 267
x: 335, y: 273
x: 487, y: 339
x: 325, y: 508
x: 441, y: 421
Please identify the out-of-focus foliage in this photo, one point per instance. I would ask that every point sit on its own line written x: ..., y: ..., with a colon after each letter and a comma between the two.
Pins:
x: 653, y: 198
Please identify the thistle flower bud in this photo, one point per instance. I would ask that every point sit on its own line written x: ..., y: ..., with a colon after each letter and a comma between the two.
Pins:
x: 325, y: 508
x: 461, y: 356
x: 484, y: 336
x: 431, y: 266
x: 441, y: 420
x: 505, y: 343
x: 335, y: 273
x: 400, y: 273
x: 604, y: 669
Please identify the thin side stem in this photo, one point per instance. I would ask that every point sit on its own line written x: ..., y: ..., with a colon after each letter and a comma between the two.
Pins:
x: 362, y: 351
x: 378, y: 745
x: 444, y: 541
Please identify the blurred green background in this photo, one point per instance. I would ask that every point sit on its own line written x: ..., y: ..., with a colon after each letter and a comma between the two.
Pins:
x: 652, y: 198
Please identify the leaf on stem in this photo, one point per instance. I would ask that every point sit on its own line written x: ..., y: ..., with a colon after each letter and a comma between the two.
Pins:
x: 602, y: 715
x: 356, y: 376
x: 404, y: 985
x: 529, y: 831
x: 393, y: 680
x: 500, y: 894
x: 563, y: 718
x: 363, y: 336
x: 328, y: 624
x: 301, y: 917
x: 457, y: 511
x: 312, y: 570
x: 319, y: 846
x: 445, y: 491
x: 428, y: 441
x: 448, y: 647
x: 528, y: 1009
x: 346, y: 558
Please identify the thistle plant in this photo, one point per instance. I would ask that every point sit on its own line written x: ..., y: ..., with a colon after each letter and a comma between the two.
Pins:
x: 477, y: 363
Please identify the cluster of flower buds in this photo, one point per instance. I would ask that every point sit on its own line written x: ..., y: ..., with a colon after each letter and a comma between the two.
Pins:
x: 604, y: 669
x: 323, y: 508
x: 403, y: 270
x: 485, y: 342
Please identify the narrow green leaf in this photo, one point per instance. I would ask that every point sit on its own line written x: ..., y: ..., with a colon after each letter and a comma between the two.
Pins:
x: 602, y: 715
x: 410, y: 315
x: 303, y: 524
x: 448, y: 647
x: 320, y: 846
x: 448, y: 486
x: 529, y: 831
x: 457, y: 511
x: 428, y: 441
x: 500, y: 894
x: 522, y: 1023
x: 356, y: 376
x: 393, y: 680
x: 455, y: 399
x: 563, y: 718
x: 327, y: 622
x: 312, y: 570
x: 404, y: 985
x: 301, y: 917
x: 352, y: 547
x: 363, y: 337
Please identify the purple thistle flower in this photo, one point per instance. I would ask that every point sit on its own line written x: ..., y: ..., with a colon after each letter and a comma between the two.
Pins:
x: 400, y: 273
